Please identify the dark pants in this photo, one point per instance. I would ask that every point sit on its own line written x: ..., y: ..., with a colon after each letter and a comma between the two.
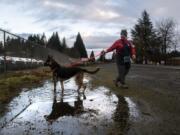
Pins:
x: 123, y: 69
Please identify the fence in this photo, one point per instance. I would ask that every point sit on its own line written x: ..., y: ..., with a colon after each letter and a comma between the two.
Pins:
x: 18, y: 53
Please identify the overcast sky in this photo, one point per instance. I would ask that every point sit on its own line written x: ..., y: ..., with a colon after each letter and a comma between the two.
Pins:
x: 98, y: 21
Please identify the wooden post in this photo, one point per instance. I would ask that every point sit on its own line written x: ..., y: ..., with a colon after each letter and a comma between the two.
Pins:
x: 5, y: 62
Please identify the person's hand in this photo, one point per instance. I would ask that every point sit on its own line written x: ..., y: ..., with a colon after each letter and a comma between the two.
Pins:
x: 103, y: 52
x: 134, y: 57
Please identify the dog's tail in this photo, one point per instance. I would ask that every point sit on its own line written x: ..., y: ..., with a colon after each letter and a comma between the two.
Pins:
x: 91, y: 72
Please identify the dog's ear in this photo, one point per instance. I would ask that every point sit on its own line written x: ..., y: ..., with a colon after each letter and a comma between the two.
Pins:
x: 50, y: 56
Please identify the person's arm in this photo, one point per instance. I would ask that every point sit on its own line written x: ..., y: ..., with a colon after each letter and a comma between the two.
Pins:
x: 113, y: 46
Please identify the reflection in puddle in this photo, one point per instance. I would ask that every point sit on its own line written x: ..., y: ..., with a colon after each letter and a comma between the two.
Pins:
x: 62, y: 108
x: 92, y: 113
x: 133, y: 110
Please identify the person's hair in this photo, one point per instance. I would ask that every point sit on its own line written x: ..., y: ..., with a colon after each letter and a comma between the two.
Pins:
x: 124, y: 32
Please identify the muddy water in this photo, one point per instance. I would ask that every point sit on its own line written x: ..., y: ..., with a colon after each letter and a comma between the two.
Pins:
x: 41, y: 111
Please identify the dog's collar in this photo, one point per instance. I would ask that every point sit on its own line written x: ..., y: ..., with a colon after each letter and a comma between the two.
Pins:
x: 54, y: 69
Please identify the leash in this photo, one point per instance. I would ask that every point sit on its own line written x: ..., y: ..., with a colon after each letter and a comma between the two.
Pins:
x: 81, y: 62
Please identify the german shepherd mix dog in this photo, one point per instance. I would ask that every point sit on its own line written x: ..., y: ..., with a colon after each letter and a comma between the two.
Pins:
x: 64, y: 73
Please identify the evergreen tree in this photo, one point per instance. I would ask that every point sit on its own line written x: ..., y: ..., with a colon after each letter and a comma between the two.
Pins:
x: 58, y: 42
x: 79, y: 45
x: 102, y: 58
x: 54, y: 42
x: 37, y: 39
x: 74, y: 53
x: 14, y: 46
x: 43, y: 40
x: 34, y: 39
x: 92, y: 57
x: 143, y: 35
x: 64, y: 45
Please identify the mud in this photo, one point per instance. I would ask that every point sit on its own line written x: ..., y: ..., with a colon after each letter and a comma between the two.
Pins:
x: 155, y: 92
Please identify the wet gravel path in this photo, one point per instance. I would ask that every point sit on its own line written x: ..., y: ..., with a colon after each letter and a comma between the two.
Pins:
x: 149, y: 106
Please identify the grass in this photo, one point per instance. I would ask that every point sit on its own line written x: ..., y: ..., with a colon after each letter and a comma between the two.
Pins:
x: 11, y: 83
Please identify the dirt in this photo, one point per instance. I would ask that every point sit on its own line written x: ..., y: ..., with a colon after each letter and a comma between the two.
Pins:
x: 149, y: 106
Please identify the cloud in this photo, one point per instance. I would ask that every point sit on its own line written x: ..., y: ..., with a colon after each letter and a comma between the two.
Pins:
x: 99, y: 41
x: 98, y: 21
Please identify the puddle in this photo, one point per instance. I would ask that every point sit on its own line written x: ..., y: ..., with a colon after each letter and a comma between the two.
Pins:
x: 40, y: 111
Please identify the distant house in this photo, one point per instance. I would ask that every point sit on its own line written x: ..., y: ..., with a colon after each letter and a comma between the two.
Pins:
x: 173, y: 61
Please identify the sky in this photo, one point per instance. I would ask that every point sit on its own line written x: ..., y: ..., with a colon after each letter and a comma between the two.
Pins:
x: 98, y: 21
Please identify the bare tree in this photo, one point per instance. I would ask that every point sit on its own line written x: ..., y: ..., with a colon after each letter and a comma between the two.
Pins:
x: 166, y: 31
x: 176, y: 44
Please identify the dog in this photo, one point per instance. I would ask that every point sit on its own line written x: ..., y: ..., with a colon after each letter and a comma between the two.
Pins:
x: 62, y: 73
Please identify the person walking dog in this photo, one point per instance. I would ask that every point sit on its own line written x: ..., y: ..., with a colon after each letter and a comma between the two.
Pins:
x: 124, y: 52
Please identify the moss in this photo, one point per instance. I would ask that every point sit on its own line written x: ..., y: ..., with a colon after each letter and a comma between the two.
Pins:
x: 30, y: 78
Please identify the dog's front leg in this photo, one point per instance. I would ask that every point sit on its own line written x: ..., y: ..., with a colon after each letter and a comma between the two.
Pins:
x: 55, y: 85
x: 55, y: 81
x: 84, y: 87
x: 62, y: 87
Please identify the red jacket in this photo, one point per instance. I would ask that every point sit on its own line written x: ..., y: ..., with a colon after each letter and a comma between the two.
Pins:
x: 118, y: 45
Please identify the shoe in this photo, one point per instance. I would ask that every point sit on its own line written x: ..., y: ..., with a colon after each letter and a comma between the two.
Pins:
x: 124, y: 86
x: 116, y: 83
